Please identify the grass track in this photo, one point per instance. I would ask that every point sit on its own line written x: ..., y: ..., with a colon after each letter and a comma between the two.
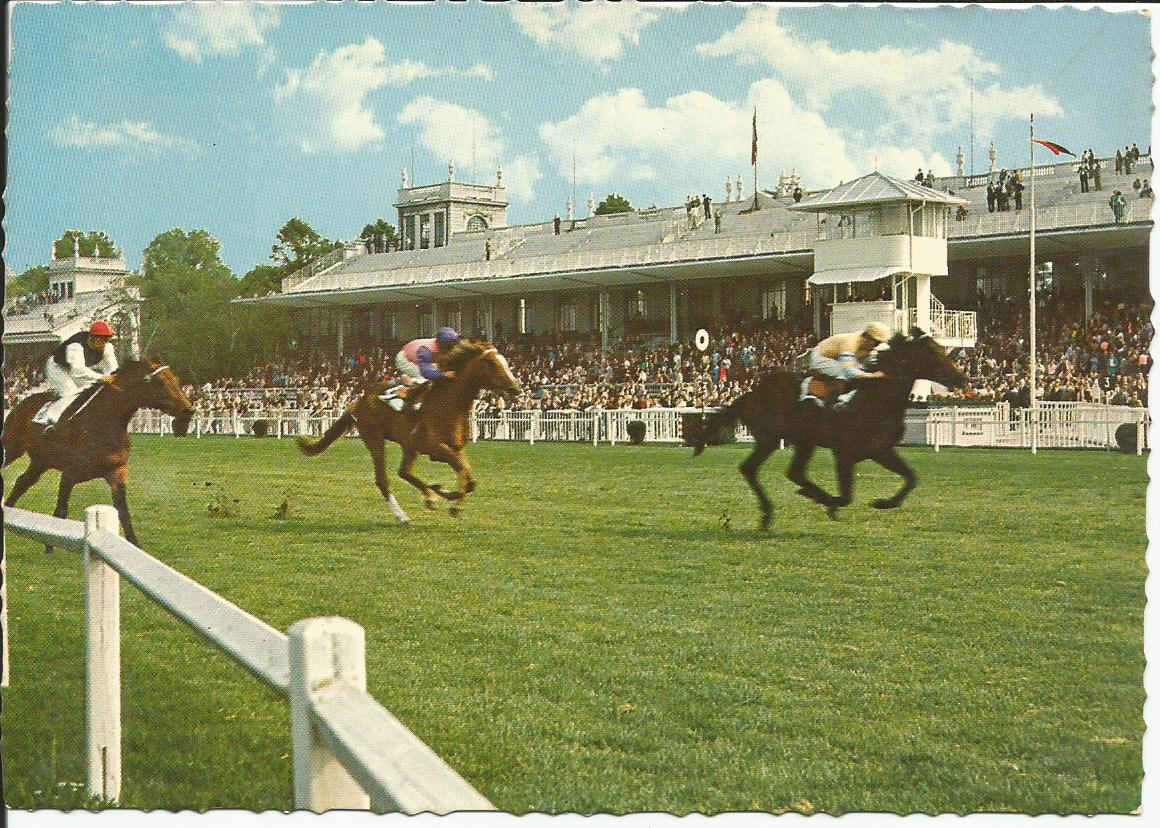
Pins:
x: 589, y: 637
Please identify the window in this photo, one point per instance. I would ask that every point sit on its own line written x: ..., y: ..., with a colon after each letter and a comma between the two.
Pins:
x: 410, y: 235
x: 567, y: 318
x: 1046, y: 273
x: 476, y: 223
x: 773, y: 301
x: 426, y: 323
x: 524, y: 316
x: 453, y: 316
x: 390, y: 321
x: 424, y: 231
x: 638, y: 306
x: 439, y: 227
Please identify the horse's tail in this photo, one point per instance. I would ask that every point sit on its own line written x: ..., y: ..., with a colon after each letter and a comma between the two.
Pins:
x: 711, y: 426
x: 341, y: 426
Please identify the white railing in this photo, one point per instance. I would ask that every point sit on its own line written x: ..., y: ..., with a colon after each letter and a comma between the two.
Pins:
x: 1061, y: 425
x: 314, y: 268
x: 1047, y: 218
x: 349, y: 751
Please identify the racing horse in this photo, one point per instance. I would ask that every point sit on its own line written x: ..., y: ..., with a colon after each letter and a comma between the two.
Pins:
x: 867, y: 428
x: 91, y: 439
x: 439, y: 429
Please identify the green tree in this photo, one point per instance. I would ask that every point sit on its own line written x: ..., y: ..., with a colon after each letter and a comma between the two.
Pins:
x: 614, y: 203
x: 298, y: 245
x: 186, y: 315
x: 260, y: 333
x: 380, y: 228
x: 33, y: 280
x: 262, y: 280
x: 92, y: 244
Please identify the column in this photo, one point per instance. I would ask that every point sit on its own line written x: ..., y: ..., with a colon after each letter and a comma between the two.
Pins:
x: 604, y: 311
x: 673, y: 312
x: 341, y: 329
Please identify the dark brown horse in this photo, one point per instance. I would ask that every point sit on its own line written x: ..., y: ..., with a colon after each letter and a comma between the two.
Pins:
x: 439, y: 429
x: 92, y: 438
x: 867, y: 429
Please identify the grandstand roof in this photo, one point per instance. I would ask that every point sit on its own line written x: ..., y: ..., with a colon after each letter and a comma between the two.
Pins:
x: 874, y: 188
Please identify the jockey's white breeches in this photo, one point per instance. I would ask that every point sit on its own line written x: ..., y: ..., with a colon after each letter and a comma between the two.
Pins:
x: 844, y: 367
x: 409, y: 370
x: 65, y: 386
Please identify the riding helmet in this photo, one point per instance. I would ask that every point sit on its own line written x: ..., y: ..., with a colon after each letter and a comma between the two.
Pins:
x: 100, y: 328
x: 876, y: 331
x: 446, y: 336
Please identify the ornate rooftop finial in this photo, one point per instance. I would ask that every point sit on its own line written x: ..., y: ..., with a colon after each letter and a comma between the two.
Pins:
x: 959, y: 161
x: 404, y: 179
x: 991, y: 155
x: 499, y: 177
x: 570, y: 209
x: 591, y: 205
x: 728, y: 190
x: 740, y: 185
x: 451, y: 171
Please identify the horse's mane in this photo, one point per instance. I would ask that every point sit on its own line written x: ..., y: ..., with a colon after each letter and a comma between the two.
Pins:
x: 462, y: 353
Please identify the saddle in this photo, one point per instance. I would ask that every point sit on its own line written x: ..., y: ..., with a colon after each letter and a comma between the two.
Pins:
x: 825, y: 389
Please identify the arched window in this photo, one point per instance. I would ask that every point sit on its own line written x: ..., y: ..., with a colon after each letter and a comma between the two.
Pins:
x: 476, y: 223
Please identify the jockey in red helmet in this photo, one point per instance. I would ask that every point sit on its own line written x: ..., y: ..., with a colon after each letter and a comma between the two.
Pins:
x: 419, y: 362
x: 78, y: 362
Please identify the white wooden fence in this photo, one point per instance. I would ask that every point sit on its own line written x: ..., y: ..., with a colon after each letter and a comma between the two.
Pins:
x: 1060, y: 425
x: 349, y: 751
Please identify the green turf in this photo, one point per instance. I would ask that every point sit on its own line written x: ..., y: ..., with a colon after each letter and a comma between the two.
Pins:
x: 605, y: 630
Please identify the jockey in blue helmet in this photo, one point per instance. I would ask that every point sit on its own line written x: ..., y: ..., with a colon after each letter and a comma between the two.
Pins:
x: 419, y: 362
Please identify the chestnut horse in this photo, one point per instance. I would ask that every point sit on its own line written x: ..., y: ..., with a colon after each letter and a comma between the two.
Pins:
x: 439, y: 429
x: 92, y: 438
x: 867, y: 429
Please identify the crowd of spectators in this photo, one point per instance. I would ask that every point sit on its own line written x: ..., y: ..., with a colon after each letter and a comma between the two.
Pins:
x: 1105, y: 361
x: 23, y: 305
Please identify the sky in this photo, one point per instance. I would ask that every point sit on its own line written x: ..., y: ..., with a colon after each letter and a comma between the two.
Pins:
x: 133, y: 119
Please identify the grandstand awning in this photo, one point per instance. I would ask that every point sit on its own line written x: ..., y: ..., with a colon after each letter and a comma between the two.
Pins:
x: 851, y: 274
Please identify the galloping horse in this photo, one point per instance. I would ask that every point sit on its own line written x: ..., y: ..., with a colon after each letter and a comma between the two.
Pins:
x: 92, y: 438
x: 867, y: 429
x: 439, y: 430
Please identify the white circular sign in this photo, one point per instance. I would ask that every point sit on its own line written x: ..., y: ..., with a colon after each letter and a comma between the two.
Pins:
x: 701, y: 340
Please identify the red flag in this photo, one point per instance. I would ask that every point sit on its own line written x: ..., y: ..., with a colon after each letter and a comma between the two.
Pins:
x: 1054, y: 147
x: 753, y: 160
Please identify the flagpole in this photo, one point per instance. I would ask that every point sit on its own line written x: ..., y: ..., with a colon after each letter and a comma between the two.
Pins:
x: 1034, y: 408
x: 755, y: 204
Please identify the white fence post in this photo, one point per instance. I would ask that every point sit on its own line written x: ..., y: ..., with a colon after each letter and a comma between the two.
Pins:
x: 103, y: 661
x: 323, y: 652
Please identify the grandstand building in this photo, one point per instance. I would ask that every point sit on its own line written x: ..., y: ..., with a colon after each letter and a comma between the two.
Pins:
x: 81, y: 289
x: 662, y: 273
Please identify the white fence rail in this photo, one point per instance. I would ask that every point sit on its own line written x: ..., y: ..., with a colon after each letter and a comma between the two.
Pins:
x: 1060, y: 425
x: 349, y: 751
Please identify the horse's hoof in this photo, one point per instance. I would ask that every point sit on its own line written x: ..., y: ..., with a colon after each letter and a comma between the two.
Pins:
x: 431, y: 504
x: 469, y: 488
x: 832, y: 512
x: 765, y: 521
x: 455, y: 511
x: 883, y: 503
x: 48, y: 550
x: 406, y: 524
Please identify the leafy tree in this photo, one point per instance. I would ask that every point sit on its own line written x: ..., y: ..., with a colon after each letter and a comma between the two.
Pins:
x: 298, y: 245
x: 261, y: 280
x: 91, y: 244
x: 186, y: 315
x: 33, y: 280
x: 614, y: 203
x: 380, y: 228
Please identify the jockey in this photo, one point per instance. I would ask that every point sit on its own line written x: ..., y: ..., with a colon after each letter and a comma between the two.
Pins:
x: 418, y: 362
x: 841, y: 356
x: 81, y: 360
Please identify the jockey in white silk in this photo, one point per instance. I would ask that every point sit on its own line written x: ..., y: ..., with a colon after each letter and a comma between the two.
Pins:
x: 81, y: 360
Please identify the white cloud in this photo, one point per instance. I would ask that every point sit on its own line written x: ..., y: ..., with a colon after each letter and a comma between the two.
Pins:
x: 596, y: 31
x: 926, y: 91
x: 696, y: 141
x: 454, y: 133
x: 138, y: 136
x: 198, y: 30
x: 326, y: 103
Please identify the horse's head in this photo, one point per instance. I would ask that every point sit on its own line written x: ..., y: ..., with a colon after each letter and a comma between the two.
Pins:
x: 156, y: 386
x: 486, y: 366
x: 918, y: 356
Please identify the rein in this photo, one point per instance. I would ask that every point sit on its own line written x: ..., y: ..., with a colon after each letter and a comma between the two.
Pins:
x: 147, y: 378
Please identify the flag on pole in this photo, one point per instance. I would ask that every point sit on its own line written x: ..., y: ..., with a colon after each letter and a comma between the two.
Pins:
x: 1054, y: 147
x: 753, y: 160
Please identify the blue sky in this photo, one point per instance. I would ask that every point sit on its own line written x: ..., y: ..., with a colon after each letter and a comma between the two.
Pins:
x: 233, y: 118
